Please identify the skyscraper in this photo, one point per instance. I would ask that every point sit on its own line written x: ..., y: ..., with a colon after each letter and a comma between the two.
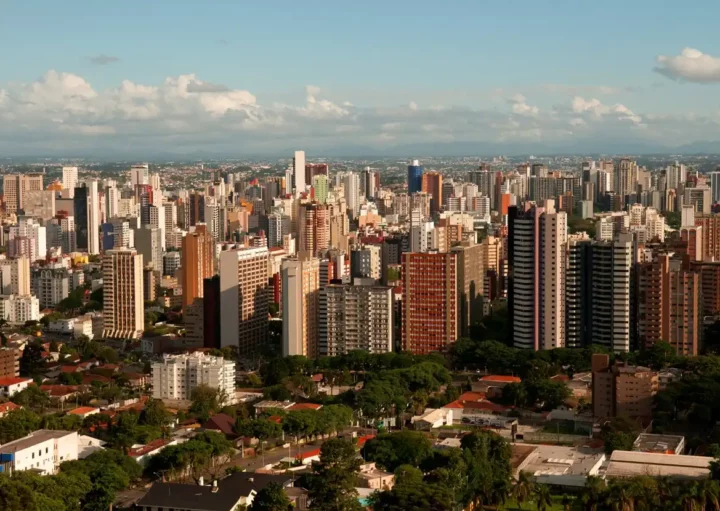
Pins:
x: 15, y: 186
x: 148, y: 242
x: 537, y: 238
x: 299, y: 171
x: 715, y: 186
x: 70, y: 179
x: 355, y: 316
x: 123, y: 310
x: 429, y: 301
x: 432, y: 183
x: 351, y: 184
x: 415, y: 172
x: 314, y: 229
x: 470, y: 278
x: 198, y: 256
x: 320, y: 188
x: 244, y: 299
x: 300, y: 290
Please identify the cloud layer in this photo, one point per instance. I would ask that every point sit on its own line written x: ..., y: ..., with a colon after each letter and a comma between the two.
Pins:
x: 64, y: 112
x: 103, y: 60
x: 691, y: 65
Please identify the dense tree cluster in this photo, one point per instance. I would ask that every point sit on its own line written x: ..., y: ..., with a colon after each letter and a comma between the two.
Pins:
x: 205, y: 452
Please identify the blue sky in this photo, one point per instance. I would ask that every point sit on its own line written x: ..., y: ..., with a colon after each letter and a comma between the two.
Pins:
x: 470, y: 56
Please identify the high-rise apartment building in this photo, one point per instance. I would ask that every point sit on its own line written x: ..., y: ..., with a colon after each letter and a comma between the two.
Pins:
x: 198, y: 263
x: 537, y: 238
x: 51, y: 285
x: 432, y: 183
x: 314, y: 229
x: 300, y: 290
x: 87, y: 217
x: 715, y: 186
x: 356, y: 316
x: 9, y: 362
x: 123, y: 309
x: 626, y: 172
x: 15, y: 186
x: 70, y: 180
x: 299, y: 171
x: 415, y: 172
x: 470, y: 283
x: 15, y: 276
x: 669, y: 305
x: 148, y: 242
x: 577, y: 289
x: 700, y: 197
x: 320, y: 188
x: 244, y: 298
x: 429, y: 301
x: 175, y: 377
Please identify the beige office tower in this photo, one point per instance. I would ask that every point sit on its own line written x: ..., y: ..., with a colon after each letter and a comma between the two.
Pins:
x: 123, y: 311
x: 15, y: 186
x: 300, y: 290
x: 244, y: 299
x: 198, y: 256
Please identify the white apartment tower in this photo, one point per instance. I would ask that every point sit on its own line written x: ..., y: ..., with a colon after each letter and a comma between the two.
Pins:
x: 299, y: 171
x: 70, y: 180
x: 123, y: 310
x: 176, y: 376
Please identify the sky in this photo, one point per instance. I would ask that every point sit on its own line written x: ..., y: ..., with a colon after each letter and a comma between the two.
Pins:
x: 238, y: 78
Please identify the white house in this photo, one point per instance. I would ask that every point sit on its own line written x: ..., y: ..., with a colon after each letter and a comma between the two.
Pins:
x: 11, y: 385
x: 88, y: 445
x: 43, y: 450
x: 433, y: 418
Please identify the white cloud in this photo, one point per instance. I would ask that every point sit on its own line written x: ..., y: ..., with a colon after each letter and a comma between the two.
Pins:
x: 595, y: 107
x: 64, y: 112
x: 691, y: 65
x: 520, y: 105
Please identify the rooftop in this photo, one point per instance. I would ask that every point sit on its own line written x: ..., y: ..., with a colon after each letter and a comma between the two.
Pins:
x: 83, y: 410
x: 500, y: 378
x: 632, y: 463
x: 664, y: 444
x: 12, y: 380
x: 34, y: 438
x: 559, y: 460
x: 305, y: 406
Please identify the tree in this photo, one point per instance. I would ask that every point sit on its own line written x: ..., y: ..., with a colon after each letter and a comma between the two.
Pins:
x: 391, y: 450
x: 155, y: 414
x: 523, y: 489
x: 204, y: 402
x: 31, y: 360
x: 17, y: 424
x: 331, y: 486
x: 542, y: 497
x: 32, y: 397
x: 619, y: 434
x: 271, y: 498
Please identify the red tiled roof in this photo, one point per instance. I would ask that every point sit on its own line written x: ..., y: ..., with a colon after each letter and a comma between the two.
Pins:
x: 89, y: 378
x: 361, y: 440
x: 221, y: 422
x: 149, y: 447
x: 59, y: 390
x: 82, y: 410
x: 70, y: 369
x: 471, y: 396
x: 501, y: 378
x: 275, y: 418
x: 11, y: 380
x: 317, y: 378
x: 478, y: 405
x: 8, y: 407
x: 308, y: 454
x: 304, y: 406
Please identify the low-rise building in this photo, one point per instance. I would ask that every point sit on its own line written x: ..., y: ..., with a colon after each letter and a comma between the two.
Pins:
x: 42, y: 451
x: 433, y: 418
x: 673, y: 466
x: 369, y: 476
x: 12, y: 385
x: 6, y: 408
x: 84, y: 411
x: 561, y: 466
x: 19, y: 309
x: 663, y: 444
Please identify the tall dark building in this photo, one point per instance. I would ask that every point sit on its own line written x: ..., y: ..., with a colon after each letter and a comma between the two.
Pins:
x: 211, y: 312
x: 80, y: 205
x: 415, y: 172
x: 197, y: 208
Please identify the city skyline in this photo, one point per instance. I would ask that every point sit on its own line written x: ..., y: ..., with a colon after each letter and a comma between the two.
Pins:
x: 466, y: 79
